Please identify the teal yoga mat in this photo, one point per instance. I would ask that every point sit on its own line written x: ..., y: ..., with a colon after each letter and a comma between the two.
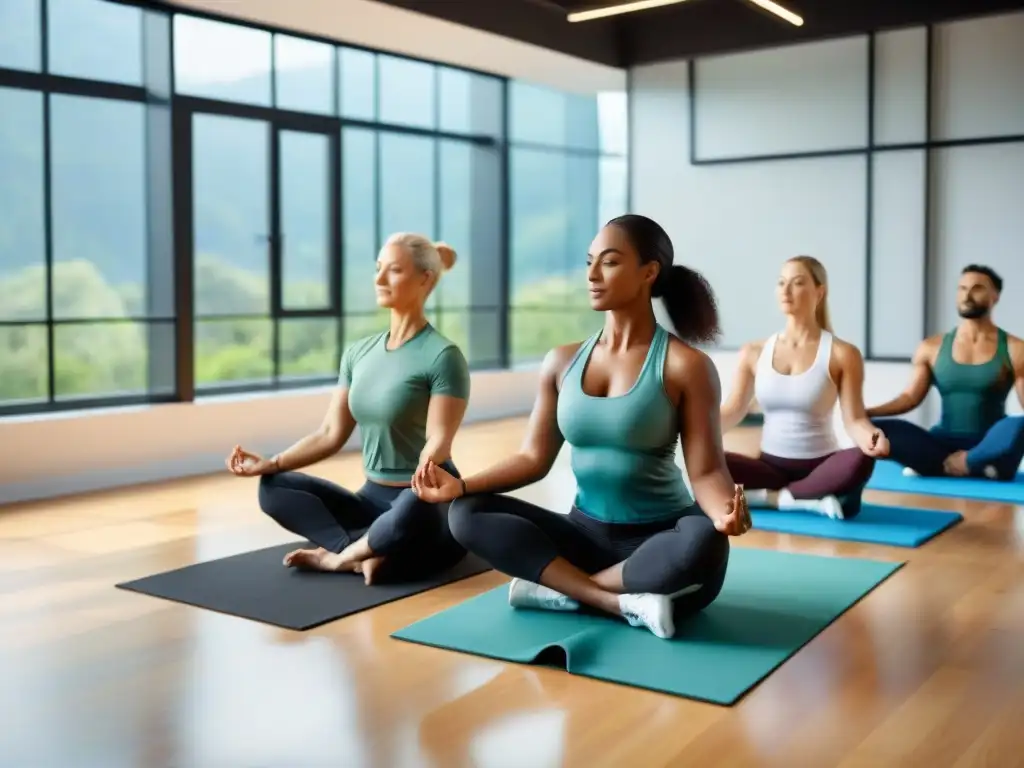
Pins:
x: 876, y: 524
x: 888, y: 476
x: 773, y: 603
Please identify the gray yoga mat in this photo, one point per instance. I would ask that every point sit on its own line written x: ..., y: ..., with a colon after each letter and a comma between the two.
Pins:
x: 255, y: 585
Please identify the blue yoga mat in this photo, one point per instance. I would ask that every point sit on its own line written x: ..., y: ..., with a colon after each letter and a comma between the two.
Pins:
x: 772, y: 604
x: 888, y: 476
x: 893, y: 526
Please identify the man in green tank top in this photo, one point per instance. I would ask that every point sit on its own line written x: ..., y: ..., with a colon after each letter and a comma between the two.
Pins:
x: 974, y: 368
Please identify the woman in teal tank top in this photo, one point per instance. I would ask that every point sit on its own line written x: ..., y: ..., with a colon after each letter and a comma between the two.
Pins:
x: 635, y: 544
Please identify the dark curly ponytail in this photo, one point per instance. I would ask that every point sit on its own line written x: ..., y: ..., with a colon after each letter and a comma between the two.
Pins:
x: 688, y: 298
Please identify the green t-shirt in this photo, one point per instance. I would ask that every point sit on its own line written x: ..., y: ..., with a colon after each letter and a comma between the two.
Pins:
x: 389, y: 392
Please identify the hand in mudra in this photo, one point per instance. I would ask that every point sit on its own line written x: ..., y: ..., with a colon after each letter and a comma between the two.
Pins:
x: 436, y: 485
x: 245, y: 464
x: 736, y: 521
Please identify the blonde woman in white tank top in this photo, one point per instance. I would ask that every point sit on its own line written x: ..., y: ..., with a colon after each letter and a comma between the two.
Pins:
x: 798, y: 376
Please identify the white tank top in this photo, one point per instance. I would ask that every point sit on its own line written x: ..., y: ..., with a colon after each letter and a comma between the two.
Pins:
x: 797, y: 408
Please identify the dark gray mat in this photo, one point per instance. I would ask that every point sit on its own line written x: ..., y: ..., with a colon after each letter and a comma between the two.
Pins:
x: 255, y: 585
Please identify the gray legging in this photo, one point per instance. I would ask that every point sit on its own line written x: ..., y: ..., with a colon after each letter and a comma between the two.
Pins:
x: 521, y: 540
x: 412, y: 534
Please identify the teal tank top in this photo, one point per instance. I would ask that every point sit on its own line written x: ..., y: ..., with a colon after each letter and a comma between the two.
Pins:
x: 623, y: 448
x: 973, y: 396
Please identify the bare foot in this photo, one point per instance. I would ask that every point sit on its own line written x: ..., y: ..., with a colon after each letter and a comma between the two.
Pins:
x: 318, y: 559
x: 369, y: 567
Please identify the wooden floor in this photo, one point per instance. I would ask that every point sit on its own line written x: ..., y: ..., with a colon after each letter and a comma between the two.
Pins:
x: 927, y: 671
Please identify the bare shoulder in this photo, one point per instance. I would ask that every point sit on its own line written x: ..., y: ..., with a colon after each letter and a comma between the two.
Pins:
x: 1016, y: 347
x: 752, y: 350
x: 845, y: 352
x: 557, y: 360
x: 927, y: 350
x: 685, y: 364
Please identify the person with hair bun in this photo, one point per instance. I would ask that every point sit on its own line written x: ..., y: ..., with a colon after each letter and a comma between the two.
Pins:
x: 797, y: 376
x: 635, y: 544
x: 407, y: 389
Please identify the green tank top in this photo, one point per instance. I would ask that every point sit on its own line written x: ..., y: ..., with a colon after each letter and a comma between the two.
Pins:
x: 623, y: 448
x: 389, y: 392
x: 973, y: 396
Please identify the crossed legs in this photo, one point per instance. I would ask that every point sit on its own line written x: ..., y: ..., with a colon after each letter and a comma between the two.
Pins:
x: 646, y: 574
x: 829, y: 485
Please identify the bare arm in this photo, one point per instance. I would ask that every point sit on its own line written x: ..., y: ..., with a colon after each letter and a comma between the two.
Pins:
x: 543, y: 439
x: 444, y: 417
x: 333, y: 433
x: 695, y: 377
x: 737, y: 405
x: 917, y: 388
x: 1017, y: 358
x: 851, y: 395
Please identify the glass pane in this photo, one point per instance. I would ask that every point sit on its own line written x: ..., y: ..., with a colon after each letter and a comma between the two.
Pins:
x: 614, y: 188
x: 583, y: 203
x: 95, y: 40
x: 308, y: 347
x: 581, y: 122
x: 304, y: 74
x: 23, y: 374
x: 457, y: 215
x: 537, y: 114
x: 539, y: 224
x: 107, y: 359
x: 535, y: 331
x: 407, y: 92
x: 230, y: 188
x: 477, y: 332
x: 224, y: 61
x: 361, y: 325
x: 358, y: 84
x: 98, y: 151
x: 470, y: 103
x: 22, y: 224
x: 306, y: 216
x: 359, y: 218
x: 406, y: 184
x: 613, y: 121
x: 20, y: 35
x: 230, y: 351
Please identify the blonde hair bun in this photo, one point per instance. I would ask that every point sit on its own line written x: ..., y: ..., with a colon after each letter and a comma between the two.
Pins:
x: 447, y: 254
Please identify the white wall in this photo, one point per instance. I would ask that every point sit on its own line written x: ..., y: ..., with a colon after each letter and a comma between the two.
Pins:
x: 386, y: 28
x: 737, y: 222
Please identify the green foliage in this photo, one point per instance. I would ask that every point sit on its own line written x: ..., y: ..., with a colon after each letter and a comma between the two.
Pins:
x: 113, y: 356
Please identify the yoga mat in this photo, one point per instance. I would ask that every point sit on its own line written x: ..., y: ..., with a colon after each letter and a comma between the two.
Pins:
x: 772, y: 604
x: 888, y: 476
x: 255, y: 585
x: 893, y: 526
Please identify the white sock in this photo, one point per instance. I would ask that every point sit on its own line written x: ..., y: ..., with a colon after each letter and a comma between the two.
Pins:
x: 828, y: 505
x: 651, y: 611
x: 908, y: 472
x: 760, y: 497
x: 526, y: 594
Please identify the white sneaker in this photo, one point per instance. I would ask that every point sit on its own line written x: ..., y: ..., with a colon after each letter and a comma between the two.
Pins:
x: 649, y: 610
x: 526, y: 594
x: 908, y: 472
x: 828, y: 505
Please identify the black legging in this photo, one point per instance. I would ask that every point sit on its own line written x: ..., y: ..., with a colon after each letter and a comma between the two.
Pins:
x: 411, y: 534
x: 521, y: 540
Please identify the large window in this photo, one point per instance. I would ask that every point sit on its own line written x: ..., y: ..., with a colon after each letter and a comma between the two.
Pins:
x: 164, y: 242
x: 567, y: 177
x: 86, y: 288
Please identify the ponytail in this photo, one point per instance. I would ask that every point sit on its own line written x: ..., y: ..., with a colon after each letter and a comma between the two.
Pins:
x: 690, y: 303
x: 821, y: 314
x: 820, y: 277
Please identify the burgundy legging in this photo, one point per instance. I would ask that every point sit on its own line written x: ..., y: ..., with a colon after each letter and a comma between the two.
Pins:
x: 843, y: 474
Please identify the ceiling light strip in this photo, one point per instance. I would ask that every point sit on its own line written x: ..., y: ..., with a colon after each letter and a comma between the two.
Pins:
x: 778, y: 10
x: 615, y: 10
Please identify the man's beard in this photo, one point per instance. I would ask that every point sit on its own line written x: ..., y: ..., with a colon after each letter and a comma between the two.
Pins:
x: 972, y: 311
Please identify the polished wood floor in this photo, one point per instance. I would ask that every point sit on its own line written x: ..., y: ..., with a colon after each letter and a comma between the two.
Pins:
x: 927, y: 671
